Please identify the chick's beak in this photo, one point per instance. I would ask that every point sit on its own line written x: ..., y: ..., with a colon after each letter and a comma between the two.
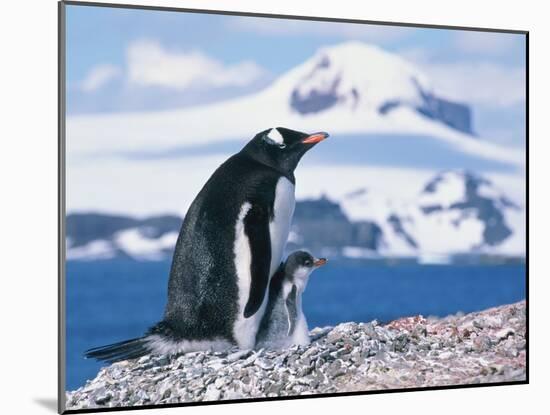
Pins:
x: 315, y: 138
x: 320, y: 262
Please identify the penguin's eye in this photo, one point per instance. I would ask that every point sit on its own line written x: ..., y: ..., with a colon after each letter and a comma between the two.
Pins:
x: 283, y: 145
x: 307, y: 263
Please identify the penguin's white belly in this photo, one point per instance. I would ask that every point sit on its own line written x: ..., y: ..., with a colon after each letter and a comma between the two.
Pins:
x: 245, y: 329
x: 279, y: 227
x: 300, y: 336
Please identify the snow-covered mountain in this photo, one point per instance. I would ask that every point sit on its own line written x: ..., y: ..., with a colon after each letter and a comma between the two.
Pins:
x: 92, y: 236
x: 457, y: 212
x: 350, y: 89
x: 364, y: 79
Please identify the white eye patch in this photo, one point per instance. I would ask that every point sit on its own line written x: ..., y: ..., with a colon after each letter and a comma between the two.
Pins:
x: 275, y: 137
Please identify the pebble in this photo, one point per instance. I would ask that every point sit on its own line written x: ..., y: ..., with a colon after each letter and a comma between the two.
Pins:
x: 212, y: 393
x: 264, y: 364
x: 101, y: 397
x: 505, y: 332
x: 446, y: 355
x: 488, y: 346
x: 238, y: 355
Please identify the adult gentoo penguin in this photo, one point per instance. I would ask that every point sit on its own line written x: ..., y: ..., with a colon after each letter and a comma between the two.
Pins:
x: 284, y: 322
x: 230, y: 244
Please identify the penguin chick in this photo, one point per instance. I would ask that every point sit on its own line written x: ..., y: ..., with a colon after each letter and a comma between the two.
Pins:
x: 284, y: 323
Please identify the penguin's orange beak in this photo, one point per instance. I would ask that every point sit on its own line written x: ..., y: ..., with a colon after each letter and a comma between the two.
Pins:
x: 315, y: 138
x: 320, y: 262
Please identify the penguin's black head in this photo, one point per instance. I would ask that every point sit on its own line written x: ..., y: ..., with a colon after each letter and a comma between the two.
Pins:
x: 282, y: 148
x: 300, y: 264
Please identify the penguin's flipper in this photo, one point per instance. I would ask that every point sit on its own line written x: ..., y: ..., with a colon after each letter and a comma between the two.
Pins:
x: 292, y: 310
x: 256, y: 227
x: 129, y: 349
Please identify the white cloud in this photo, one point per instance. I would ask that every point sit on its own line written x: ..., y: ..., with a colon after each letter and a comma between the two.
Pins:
x: 486, y: 43
x: 99, y: 76
x: 150, y: 64
x: 373, y: 33
x: 482, y: 83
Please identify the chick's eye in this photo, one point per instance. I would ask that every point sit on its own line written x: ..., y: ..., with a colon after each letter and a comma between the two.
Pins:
x: 308, y: 262
x: 282, y: 145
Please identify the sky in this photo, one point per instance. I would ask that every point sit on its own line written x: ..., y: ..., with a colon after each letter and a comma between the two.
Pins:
x: 121, y: 60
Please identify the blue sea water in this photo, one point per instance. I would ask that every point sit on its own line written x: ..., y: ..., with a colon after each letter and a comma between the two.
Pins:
x: 110, y: 301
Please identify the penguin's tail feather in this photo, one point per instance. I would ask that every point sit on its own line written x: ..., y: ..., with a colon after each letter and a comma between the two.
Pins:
x: 128, y: 349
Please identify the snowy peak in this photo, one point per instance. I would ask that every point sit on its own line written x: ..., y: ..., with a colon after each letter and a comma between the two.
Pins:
x: 363, y: 78
x: 475, y: 197
x: 455, y: 188
x: 445, y: 189
x: 457, y: 212
x: 356, y: 74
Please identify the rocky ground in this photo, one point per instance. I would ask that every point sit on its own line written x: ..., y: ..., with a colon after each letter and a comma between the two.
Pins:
x: 482, y: 347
